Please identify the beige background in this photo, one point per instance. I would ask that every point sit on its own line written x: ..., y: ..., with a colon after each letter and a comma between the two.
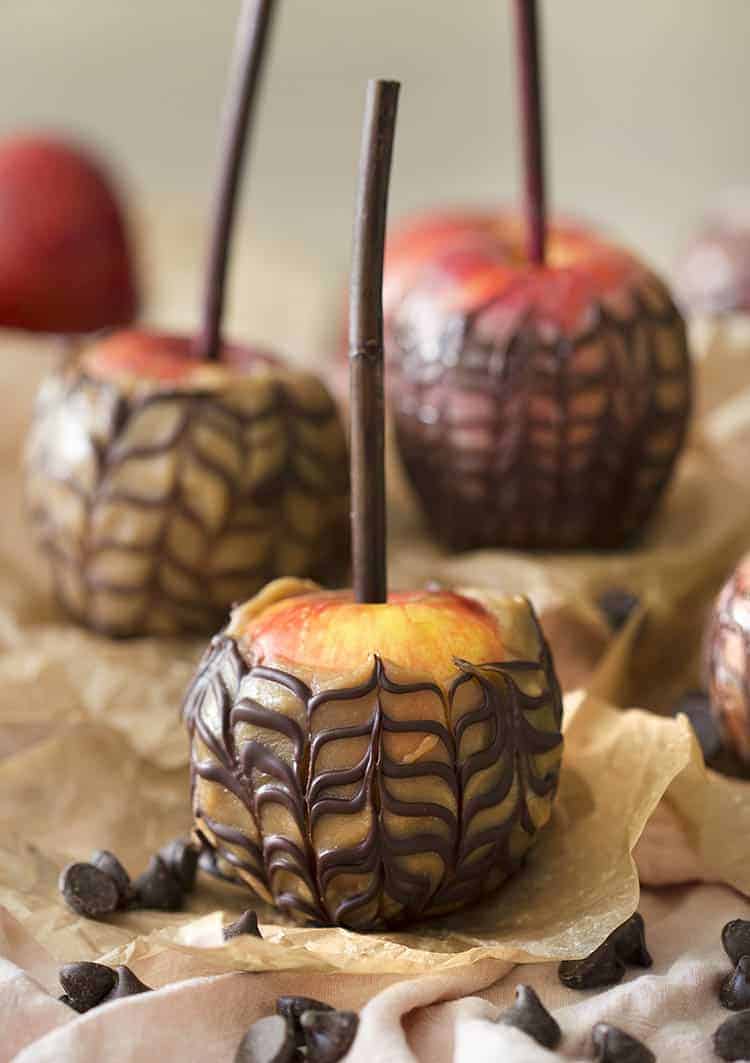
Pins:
x: 647, y: 106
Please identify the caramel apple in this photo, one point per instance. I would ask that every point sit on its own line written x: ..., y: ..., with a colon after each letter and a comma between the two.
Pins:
x: 367, y: 759
x: 65, y: 257
x: 727, y: 655
x: 169, y: 476
x: 540, y: 379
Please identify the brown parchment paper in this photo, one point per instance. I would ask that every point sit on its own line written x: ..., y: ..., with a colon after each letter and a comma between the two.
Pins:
x: 92, y: 753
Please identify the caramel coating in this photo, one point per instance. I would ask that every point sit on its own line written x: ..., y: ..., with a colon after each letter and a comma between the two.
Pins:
x: 158, y: 507
x: 378, y: 796
x: 728, y: 661
x: 518, y: 433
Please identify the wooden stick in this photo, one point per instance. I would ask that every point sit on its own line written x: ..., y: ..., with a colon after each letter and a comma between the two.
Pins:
x: 239, y: 107
x: 530, y: 94
x: 366, y: 345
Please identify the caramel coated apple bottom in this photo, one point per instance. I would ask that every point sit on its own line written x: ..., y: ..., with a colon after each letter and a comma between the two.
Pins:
x: 159, y: 502
x: 372, y: 765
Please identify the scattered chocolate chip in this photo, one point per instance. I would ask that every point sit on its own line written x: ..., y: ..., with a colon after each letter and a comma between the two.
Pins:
x: 601, y: 968
x: 626, y: 945
x: 615, y: 1046
x: 87, y: 984
x: 696, y: 706
x: 735, y: 990
x: 65, y: 999
x: 127, y: 985
x: 158, y: 887
x: 735, y: 937
x: 617, y: 604
x: 530, y: 1015
x: 328, y: 1034
x: 110, y: 865
x: 268, y: 1040
x: 293, y: 1008
x: 182, y: 860
x: 732, y: 1038
x: 246, y: 924
x: 88, y: 891
x: 630, y: 942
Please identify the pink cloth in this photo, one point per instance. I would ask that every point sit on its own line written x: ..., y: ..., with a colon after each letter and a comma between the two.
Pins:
x: 673, y: 1007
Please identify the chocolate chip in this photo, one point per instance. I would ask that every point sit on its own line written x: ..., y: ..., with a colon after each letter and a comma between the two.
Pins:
x: 86, y: 984
x: 328, y: 1034
x: 601, y: 968
x: 617, y: 604
x: 268, y: 1040
x: 735, y: 990
x: 127, y: 985
x: 696, y: 706
x: 182, y: 860
x: 88, y: 891
x: 65, y: 999
x: 615, y: 1046
x: 735, y: 937
x: 530, y: 1015
x: 246, y: 924
x: 293, y: 1008
x: 630, y: 942
x: 110, y: 865
x: 626, y: 945
x: 732, y: 1038
x: 158, y: 888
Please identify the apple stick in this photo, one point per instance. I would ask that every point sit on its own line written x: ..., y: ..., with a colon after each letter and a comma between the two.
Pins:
x: 366, y: 345
x: 530, y: 94
x: 247, y: 64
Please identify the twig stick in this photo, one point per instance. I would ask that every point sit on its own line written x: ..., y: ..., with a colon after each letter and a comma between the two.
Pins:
x: 530, y: 93
x: 247, y: 63
x: 366, y: 345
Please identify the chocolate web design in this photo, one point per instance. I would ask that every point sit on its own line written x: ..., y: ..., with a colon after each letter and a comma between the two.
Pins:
x: 158, y: 512
x: 533, y: 441
x: 397, y: 856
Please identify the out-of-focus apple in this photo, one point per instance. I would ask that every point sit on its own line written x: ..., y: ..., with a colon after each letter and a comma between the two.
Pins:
x: 534, y: 406
x: 163, y: 488
x: 713, y: 274
x: 65, y: 255
x: 370, y: 764
x: 727, y: 655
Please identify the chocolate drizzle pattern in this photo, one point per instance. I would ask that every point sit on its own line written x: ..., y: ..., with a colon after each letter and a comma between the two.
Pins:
x: 159, y: 509
x: 378, y: 803
x: 522, y: 438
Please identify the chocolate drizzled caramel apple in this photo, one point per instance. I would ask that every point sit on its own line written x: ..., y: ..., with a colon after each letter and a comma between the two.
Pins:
x: 169, y: 476
x: 65, y: 258
x: 727, y: 655
x: 365, y: 759
x: 540, y: 379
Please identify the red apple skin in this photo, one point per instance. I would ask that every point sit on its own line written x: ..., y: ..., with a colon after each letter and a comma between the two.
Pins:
x: 538, y: 407
x: 65, y: 257
x: 162, y: 489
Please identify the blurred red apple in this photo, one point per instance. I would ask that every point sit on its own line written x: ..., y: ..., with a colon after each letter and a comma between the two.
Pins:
x: 65, y: 257
x: 534, y: 406
x: 163, y: 488
x: 389, y: 761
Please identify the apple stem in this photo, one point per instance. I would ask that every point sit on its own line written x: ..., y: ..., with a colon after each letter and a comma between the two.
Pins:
x: 530, y: 93
x: 247, y: 64
x: 368, y: 513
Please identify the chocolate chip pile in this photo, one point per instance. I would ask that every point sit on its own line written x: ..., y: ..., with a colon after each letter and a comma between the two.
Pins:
x: 302, y: 1029
x: 102, y: 886
x: 732, y: 1038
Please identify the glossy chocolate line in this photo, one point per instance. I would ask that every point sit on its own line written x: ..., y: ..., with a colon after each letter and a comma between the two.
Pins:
x: 466, y: 853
